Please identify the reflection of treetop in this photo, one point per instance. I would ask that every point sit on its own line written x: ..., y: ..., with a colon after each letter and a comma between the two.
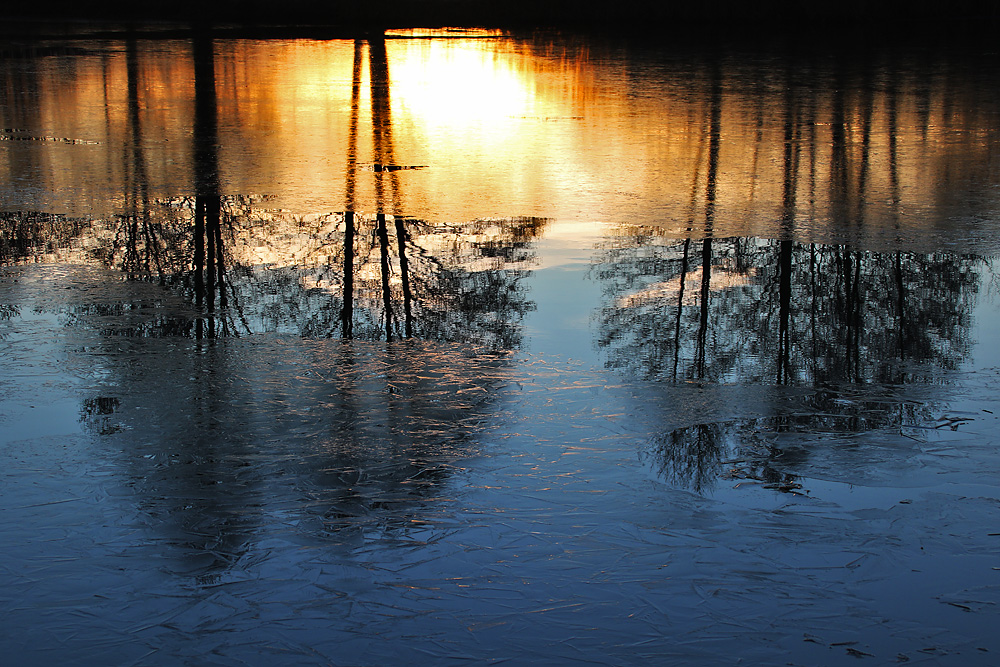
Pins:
x: 768, y: 449
x: 284, y: 272
x: 33, y: 236
x: 752, y: 310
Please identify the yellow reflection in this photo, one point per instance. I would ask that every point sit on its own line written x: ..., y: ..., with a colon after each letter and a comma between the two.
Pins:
x: 505, y: 128
x: 443, y: 33
x: 460, y: 85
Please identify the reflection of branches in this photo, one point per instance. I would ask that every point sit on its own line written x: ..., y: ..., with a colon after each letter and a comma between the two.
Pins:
x: 477, y: 296
x: 7, y: 312
x: 278, y: 272
x: 769, y: 449
x: 782, y: 311
x: 696, y: 457
x: 691, y: 456
x: 32, y: 236
x: 460, y: 283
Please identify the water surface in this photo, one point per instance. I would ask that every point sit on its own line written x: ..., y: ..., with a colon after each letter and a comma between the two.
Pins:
x: 436, y: 347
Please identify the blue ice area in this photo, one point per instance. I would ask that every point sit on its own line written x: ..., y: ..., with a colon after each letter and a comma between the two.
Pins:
x: 278, y: 500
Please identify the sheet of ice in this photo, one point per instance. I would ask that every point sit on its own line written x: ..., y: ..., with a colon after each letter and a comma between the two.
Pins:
x: 323, y: 501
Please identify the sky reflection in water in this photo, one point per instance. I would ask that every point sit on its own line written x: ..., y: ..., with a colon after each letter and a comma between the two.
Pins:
x: 450, y: 342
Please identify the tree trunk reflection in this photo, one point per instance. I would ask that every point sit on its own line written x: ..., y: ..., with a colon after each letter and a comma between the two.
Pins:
x: 209, y: 263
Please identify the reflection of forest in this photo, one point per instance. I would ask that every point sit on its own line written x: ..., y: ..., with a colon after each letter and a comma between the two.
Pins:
x: 442, y: 282
x: 852, y: 326
x: 249, y: 269
x: 782, y: 312
x: 258, y: 270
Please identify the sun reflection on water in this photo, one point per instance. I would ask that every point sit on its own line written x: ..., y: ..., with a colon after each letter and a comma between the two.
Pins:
x: 508, y: 127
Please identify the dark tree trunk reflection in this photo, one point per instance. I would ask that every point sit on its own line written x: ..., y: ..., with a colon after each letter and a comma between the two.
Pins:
x: 788, y: 213
x: 383, y: 246
x: 136, y: 218
x: 347, y: 309
x: 714, y: 143
x: 209, y: 262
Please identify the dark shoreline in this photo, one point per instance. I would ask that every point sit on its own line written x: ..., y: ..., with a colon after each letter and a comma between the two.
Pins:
x: 725, y: 19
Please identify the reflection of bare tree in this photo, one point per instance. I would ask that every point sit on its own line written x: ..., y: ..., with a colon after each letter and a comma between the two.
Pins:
x: 135, y: 240
x: 465, y: 281
x: 383, y: 432
x: 711, y: 184
x: 347, y: 309
x: 384, y: 429
x: 478, y: 298
x: 771, y: 449
x: 209, y: 259
x: 784, y: 311
x: 698, y: 456
x: 135, y: 221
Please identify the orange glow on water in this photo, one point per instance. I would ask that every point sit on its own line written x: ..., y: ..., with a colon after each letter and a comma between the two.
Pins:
x: 502, y: 128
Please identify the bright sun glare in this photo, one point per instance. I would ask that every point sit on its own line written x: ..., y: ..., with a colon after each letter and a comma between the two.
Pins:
x: 457, y: 83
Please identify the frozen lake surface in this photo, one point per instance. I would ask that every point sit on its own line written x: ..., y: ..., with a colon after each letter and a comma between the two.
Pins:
x: 311, y: 354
